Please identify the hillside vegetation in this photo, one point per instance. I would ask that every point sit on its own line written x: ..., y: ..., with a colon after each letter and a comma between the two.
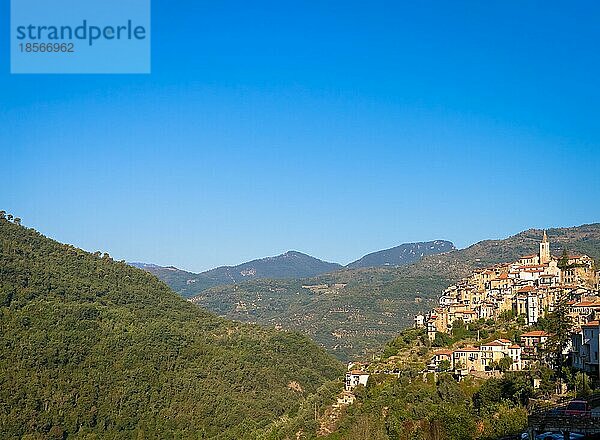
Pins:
x: 92, y: 348
x: 351, y: 314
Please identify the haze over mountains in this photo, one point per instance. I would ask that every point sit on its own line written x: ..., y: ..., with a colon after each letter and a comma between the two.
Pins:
x: 290, y: 265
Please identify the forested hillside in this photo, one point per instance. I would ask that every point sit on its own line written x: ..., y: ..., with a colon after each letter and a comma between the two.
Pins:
x: 350, y: 313
x: 93, y: 348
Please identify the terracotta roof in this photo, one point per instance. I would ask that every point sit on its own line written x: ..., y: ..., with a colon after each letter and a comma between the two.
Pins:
x: 493, y: 344
x: 529, y: 256
x: 358, y: 372
x: 507, y: 341
x: 586, y: 304
x: 514, y: 347
x: 535, y: 333
x: 466, y: 349
x: 446, y: 352
x: 591, y: 324
x: 526, y: 289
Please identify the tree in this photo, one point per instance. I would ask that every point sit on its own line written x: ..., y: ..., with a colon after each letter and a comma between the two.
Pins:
x: 445, y: 365
x: 441, y: 339
x: 9, y: 217
x: 505, y: 363
x: 563, y: 263
x: 507, y: 315
x: 2, y: 214
x: 559, y: 324
x: 18, y: 221
x: 459, y: 330
x: 582, y: 384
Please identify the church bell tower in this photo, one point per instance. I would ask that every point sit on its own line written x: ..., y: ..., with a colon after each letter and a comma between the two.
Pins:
x: 545, y: 250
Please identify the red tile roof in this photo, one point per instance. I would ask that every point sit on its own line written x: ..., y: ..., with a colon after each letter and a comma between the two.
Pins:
x: 358, y: 372
x: 444, y: 352
x: 586, y: 304
x: 493, y: 344
x: 535, y: 333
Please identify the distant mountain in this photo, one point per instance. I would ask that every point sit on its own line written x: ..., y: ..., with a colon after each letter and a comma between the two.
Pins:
x: 185, y: 283
x: 292, y: 264
x: 94, y: 348
x: 404, y: 254
x: 289, y: 265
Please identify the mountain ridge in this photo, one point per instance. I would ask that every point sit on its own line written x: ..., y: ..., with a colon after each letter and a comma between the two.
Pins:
x: 403, y: 254
x: 291, y: 264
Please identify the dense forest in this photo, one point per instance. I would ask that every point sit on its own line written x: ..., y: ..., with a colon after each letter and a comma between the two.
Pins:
x: 93, y: 348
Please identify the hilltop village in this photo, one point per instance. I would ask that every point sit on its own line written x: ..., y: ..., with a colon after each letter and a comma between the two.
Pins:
x: 525, y: 290
x: 528, y: 289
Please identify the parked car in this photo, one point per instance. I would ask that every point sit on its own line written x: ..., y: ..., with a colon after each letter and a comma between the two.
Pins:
x: 578, y: 408
x: 552, y: 436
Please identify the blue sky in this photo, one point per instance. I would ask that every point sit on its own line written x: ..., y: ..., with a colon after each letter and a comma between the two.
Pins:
x: 333, y: 129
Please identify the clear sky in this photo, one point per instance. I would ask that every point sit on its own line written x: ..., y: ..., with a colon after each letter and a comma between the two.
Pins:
x: 334, y: 129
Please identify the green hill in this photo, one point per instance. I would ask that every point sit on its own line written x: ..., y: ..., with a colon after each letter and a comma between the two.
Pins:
x: 93, y: 348
x: 369, y: 306
x: 289, y: 265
